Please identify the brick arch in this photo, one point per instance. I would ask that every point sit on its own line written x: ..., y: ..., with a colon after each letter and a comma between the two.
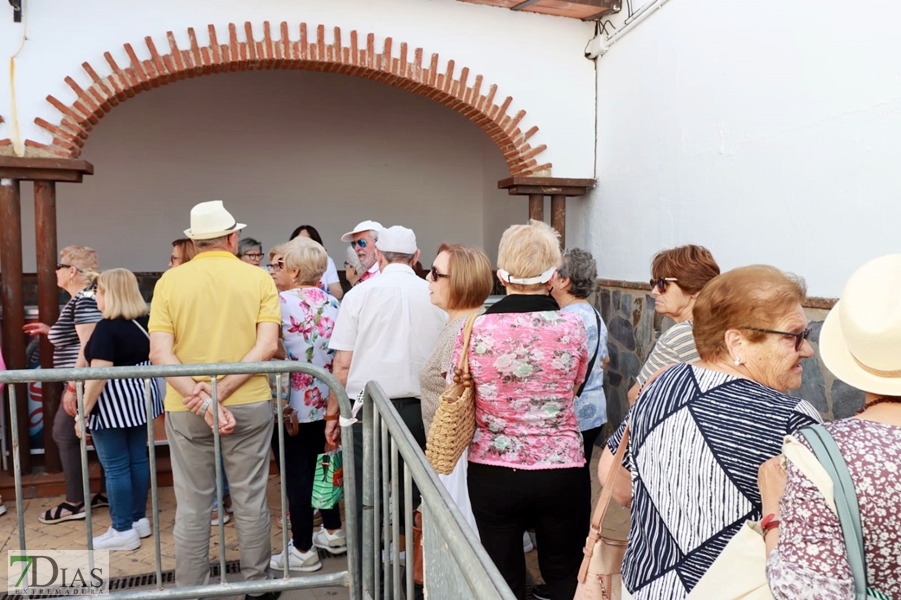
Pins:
x: 436, y: 81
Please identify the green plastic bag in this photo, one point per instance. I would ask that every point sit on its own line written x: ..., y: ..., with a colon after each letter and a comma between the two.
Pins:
x: 328, y: 480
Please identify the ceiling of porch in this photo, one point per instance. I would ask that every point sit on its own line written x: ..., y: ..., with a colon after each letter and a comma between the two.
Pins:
x: 576, y: 9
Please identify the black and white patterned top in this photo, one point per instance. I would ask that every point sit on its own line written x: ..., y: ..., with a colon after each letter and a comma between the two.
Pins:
x: 81, y: 309
x: 697, y: 440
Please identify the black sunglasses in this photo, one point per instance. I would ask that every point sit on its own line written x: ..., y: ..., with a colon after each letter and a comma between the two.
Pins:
x: 62, y: 266
x: 360, y: 243
x: 435, y: 274
x: 799, y: 336
x: 661, y: 283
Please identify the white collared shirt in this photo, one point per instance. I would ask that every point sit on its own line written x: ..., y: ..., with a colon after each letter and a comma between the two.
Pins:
x: 391, y: 326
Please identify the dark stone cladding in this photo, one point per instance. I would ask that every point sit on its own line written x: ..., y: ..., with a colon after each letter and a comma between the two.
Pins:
x: 634, y: 327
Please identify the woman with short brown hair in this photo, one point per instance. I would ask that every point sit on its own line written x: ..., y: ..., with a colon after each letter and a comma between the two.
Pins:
x: 700, y: 432
x: 678, y: 275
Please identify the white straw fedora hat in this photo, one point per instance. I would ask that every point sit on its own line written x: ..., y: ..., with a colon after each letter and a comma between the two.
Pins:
x: 861, y: 338
x: 211, y: 220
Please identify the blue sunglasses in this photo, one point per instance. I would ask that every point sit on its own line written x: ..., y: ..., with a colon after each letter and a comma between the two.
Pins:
x: 360, y: 243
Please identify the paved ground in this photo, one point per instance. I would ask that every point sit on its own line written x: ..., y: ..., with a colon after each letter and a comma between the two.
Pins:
x: 72, y: 535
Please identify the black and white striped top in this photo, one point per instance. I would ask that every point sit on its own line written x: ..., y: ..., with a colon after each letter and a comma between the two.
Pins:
x: 697, y: 439
x: 80, y: 310
x: 122, y: 403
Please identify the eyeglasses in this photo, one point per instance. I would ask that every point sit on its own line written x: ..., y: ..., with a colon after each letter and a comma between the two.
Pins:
x: 276, y: 266
x: 661, y: 283
x: 360, y: 243
x: 62, y: 266
x: 799, y: 336
x: 435, y: 274
x: 254, y: 255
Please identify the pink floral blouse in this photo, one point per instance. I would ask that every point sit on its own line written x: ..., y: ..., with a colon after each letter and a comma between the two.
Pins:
x: 526, y: 367
x: 810, y: 561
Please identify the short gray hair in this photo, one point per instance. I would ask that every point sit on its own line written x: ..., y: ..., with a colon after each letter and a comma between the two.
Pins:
x: 216, y: 242
x: 581, y: 269
x: 246, y: 244
x: 398, y: 257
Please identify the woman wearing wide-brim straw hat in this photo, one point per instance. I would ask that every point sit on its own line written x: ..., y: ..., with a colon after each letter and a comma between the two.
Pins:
x: 861, y: 344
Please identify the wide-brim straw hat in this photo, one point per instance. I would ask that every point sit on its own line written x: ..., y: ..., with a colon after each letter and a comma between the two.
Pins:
x: 210, y: 220
x: 860, y: 342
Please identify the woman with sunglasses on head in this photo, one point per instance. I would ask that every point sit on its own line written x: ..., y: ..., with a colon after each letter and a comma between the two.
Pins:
x: 677, y: 277
x: 459, y: 282
x: 330, y: 282
x: 75, y: 273
x: 700, y: 432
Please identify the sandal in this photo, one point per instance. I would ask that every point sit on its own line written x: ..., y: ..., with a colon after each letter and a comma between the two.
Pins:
x: 99, y: 500
x: 55, y: 515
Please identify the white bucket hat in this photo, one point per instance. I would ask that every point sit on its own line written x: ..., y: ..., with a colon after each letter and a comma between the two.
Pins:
x: 211, y: 220
x: 861, y: 337
x: 360, y: 228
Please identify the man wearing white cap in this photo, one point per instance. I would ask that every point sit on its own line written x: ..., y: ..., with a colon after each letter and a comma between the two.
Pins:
x: 386, y: 330
x: 217, y: 309
x: 363, y: 240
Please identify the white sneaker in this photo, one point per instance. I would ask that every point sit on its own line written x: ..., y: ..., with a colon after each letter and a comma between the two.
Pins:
x: 297, y: 561
x: 527, y: 545
x: 333, y: 543
x: 142, y: 527
x: 117, y: 540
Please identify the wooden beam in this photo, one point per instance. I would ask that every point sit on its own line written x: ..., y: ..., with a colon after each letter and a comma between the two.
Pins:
x: 45, y: 169
x: 525, y: 4
x: 14, y: 305
x: 558, y: 216
x: 528, y: 190
x: 48, y: 306
x: 546, y: 181
x: 536, y: 207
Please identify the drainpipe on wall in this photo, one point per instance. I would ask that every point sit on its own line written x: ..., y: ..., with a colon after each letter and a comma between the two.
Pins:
x: 598, y: 46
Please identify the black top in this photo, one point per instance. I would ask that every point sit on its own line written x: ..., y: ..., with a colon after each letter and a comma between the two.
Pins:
x: 119, y: 341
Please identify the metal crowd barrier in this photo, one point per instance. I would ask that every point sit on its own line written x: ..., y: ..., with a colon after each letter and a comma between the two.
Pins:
x: 279, y: 369
x: 455, y: 563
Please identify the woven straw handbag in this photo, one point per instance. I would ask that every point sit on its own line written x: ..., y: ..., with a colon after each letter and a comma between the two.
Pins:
x: 455, y: 420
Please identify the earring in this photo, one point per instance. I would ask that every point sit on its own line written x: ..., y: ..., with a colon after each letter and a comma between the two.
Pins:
x: 737, y: 362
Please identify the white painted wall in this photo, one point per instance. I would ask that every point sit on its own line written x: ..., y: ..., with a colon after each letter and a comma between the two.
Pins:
x: 300, y: 147
x: 536, y: 59
x: 770, y: 134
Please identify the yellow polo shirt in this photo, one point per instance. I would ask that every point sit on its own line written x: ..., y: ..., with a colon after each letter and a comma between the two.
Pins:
x: 212, y: 306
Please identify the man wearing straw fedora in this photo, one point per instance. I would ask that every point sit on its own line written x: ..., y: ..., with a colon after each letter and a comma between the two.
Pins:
x: 217, y: 309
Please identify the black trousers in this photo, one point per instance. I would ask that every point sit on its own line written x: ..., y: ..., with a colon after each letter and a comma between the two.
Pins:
x: 301, y: 451
x: 507, y: 501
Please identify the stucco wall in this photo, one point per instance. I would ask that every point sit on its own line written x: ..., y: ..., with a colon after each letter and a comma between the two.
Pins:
x: 768, y: 133
x: 300, y: 147
x: 535, y: 59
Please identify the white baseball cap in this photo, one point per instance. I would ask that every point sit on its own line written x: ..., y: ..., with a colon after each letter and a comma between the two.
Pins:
x: 397, y: 239
x: 360, y: 228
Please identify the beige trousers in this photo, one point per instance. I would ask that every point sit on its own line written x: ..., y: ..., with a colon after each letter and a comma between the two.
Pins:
x: 246, y: 455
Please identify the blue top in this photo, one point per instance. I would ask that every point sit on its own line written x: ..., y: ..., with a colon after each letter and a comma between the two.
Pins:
x: 591, y: 406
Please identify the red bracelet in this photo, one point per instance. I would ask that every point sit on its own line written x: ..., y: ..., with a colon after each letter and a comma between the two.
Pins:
x: 769, y: 522
x: 69, y: 388
x: 333, y: 417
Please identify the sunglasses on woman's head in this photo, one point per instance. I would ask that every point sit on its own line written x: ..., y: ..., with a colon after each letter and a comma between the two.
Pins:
x: 799, y: 336
x: 360, y: 243
x: 661, y: 283
x: 62, y: 266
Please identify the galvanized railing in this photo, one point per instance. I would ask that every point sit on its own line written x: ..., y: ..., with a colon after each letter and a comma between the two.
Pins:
x: 455, y: 563
x: 147, y: 373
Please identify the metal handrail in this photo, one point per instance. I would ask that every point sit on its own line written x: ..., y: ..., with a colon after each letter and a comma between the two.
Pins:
x: 278, y: 368
x: 479, y: 571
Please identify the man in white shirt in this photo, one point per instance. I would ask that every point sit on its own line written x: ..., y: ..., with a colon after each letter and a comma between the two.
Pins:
x: 363, y: 239
x: 386, y: 330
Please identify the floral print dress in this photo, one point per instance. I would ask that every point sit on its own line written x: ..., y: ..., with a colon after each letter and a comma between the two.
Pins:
x: 308, y: 318
x: 810, y: 561
x: 526, y: 367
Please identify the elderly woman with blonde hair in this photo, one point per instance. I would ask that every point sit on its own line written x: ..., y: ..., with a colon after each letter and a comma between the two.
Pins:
x: 527, y: 358
x: 116, y: 410
x: 75, y: 273
x: 699, y: 432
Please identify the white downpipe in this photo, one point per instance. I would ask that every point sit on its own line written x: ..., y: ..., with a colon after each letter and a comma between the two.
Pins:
x: 646, y: 12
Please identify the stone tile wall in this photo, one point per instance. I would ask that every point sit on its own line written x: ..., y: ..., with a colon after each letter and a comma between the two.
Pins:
x: 634, y: 327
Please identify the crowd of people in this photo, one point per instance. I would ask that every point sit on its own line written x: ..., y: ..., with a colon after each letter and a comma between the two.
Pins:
x: 709, y: 412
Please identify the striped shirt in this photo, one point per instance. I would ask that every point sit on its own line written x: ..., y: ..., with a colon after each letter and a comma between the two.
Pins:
x: 80, y: 310
x: 676, y: 345
x: 121, y: 402
x: 697, y: 439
